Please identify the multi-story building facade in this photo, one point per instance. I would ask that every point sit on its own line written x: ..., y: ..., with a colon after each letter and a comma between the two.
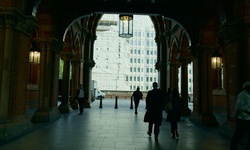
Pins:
x: 125, y: 64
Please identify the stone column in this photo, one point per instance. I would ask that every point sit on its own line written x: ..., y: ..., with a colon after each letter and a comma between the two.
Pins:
x: 161, y: 64
x: 64, y: 106
x: 15, y: 28
x: 74, y: 82
x: 204, y: 112
x: 174, y: 74
x: 48, y: 88
x: 7, y: 57
x: 88, y: 64
x: 184, y: 86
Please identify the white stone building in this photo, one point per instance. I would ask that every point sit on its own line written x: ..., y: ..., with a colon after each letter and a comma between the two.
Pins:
x: 123, y: 64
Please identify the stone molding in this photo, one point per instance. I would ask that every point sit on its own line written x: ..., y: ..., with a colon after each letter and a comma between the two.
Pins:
x: 50, y: 44
x: 15, y: 19
x: 90, y: 63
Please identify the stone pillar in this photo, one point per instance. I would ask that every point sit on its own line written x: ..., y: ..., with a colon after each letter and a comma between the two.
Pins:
x: 74, y: 82
x: 48, y: 88
x: 7, y: 57
x: 15, y: 28
x: 184, y: 86
x: 236, y: 40
x: 204, y: 113
x: 88, y: 64
x: 174, y: 74
x: 64, y: 106
x: 161, y: 64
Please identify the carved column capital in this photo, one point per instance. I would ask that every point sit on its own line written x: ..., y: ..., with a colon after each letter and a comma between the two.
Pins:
x: 160, y: 65
x: 67, y: 55
x: 160, y: 38
x: 91, y: 36
x: 89, y: 63
x: 50, y: 44
x: 231, y: 31
x: 15, y: 19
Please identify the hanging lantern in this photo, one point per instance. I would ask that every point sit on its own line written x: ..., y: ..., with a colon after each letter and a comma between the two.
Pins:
x: 34, y: 56
x: 126, y: 26
x: 216, y: 60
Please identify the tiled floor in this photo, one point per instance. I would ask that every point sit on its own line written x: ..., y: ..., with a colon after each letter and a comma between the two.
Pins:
x: 108, y: 128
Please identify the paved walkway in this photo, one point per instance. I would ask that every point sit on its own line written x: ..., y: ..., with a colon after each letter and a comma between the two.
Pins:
x: 108, y: 128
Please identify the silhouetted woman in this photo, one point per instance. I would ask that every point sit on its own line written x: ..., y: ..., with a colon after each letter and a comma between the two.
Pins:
x: 174, y: 115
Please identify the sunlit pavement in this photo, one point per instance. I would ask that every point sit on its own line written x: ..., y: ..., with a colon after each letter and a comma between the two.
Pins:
x: 115, y: 128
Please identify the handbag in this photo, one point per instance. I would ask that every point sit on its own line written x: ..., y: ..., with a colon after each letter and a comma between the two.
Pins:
x: 168, y: 107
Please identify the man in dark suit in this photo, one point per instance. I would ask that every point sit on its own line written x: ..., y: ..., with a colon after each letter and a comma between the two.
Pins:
x: 154, y: 105
x: 137, y: 97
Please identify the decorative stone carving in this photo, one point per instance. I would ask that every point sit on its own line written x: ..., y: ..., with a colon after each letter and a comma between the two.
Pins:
x: 89, y: 63
x: 160, y: 65
x: 230, y: 31
x: 11, y: 18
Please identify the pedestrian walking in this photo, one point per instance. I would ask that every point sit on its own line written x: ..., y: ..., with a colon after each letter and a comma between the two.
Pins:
x: 154, y: 105
x: 80, y: 96
x: 137, y: 95
x: 242, y: 115
x: 174, y: 114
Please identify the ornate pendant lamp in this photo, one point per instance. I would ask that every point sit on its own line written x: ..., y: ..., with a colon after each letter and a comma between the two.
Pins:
x: 126, y: 26
x: 34, y: 56
x: 216, y: 60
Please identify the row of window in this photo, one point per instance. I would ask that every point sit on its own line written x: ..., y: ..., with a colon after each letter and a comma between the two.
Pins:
x: 139, y: 60
x: 148, y: 34
x: 141, y: 43
x: 148, y: 70
x: 148, y: 79
x: 149, y: 52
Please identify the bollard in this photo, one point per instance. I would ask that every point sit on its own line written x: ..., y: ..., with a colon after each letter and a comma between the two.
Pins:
x: 131, y: 103
x: 100, y: 106
x: 116, y: 102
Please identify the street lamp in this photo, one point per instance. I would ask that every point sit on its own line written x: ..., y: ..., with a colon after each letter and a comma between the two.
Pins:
x: 126, y: 26
x: 34, y: 55
x: 216, y: 60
